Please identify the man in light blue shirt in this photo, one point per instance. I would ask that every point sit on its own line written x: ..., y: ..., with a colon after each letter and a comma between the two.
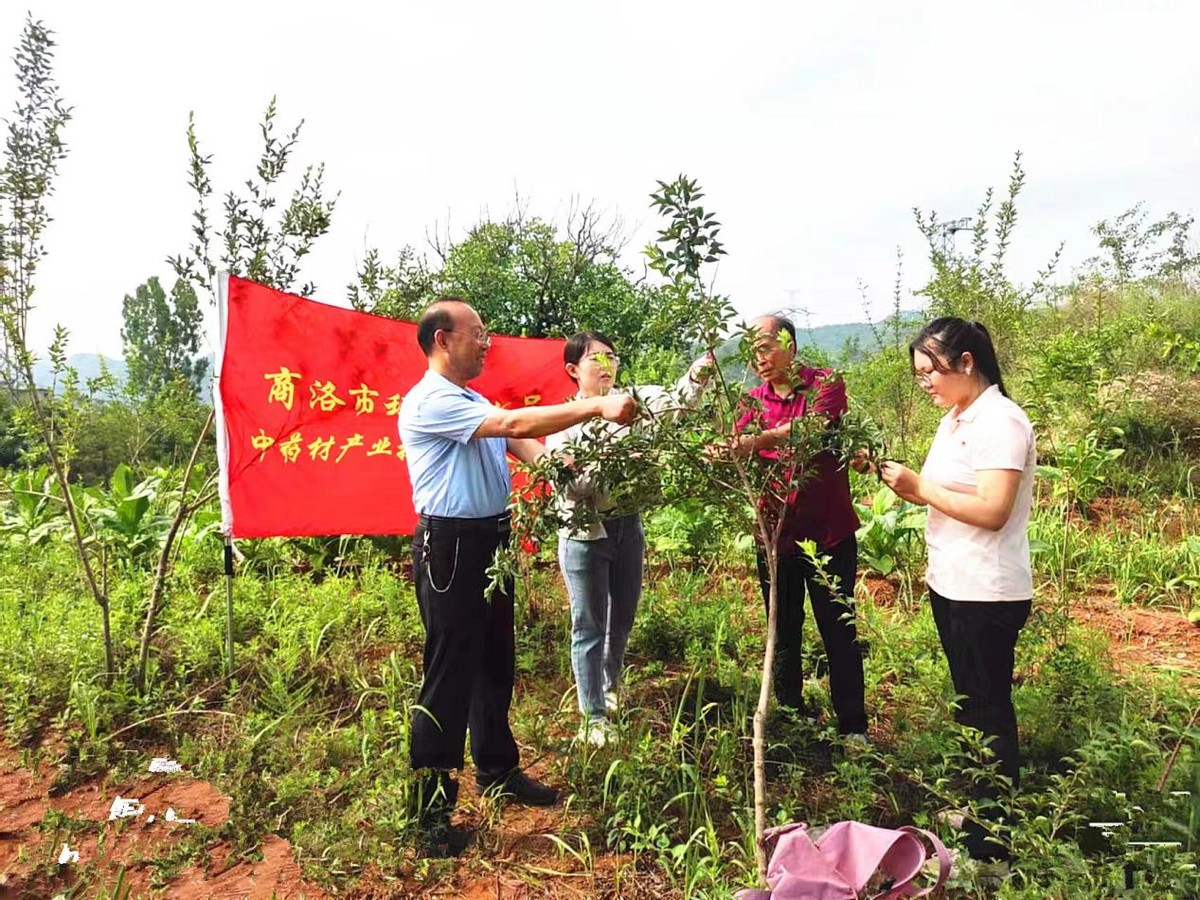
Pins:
x: 452, y: 475
x: 455, y: 443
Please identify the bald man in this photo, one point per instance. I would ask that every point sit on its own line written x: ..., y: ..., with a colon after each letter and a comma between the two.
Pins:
x: 456, y: 442
x: 822, y: 511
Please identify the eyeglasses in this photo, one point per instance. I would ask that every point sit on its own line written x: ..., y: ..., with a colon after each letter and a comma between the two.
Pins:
x: 481, y: 337
x: 605, y: 359
x: 925, y: 377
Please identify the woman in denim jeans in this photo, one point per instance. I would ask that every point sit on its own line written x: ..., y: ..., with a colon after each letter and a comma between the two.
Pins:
x: 601, y: 553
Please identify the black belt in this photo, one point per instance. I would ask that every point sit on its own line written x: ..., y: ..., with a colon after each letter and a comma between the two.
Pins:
x: 500, y: 524
x: 605, y: 518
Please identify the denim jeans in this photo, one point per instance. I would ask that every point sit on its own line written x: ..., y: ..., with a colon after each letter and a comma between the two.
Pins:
x: 604, y: 583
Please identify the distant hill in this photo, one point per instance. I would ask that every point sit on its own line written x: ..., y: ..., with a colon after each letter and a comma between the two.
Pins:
x: 829, y: 339
x: 839, y: 344
x: 88, y: 365
x: 834, y: 339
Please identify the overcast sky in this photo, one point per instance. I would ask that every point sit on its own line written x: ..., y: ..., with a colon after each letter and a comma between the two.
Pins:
x: 813, y: 128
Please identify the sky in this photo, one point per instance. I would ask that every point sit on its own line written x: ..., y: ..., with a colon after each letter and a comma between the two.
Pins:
x: 815, y: 129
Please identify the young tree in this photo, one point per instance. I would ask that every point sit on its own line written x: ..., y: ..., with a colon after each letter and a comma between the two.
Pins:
x: 398, y: 291
x: 33, y: 150
x: 1134, y: 248
x: 161, y: 335
x: 257, y: 241
x: 692, y: 452
x: 976, y: 286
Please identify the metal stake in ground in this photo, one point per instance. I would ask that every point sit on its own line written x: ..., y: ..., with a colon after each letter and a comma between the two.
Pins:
x: 229, y: 603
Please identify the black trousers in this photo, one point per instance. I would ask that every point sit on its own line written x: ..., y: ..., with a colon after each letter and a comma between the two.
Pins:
x: 980, y: 638
x: 469, y: 648
x: 835, y: 621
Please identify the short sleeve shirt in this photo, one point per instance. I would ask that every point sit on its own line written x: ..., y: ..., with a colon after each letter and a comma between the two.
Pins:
x: 822, y: 509
x: 452, y: 473
x: 967, y: 562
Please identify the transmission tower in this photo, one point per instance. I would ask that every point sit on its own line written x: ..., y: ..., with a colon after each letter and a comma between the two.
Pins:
x: 792, y: 308
x: 951, y: 228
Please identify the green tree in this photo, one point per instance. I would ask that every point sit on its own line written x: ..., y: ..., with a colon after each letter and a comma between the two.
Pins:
x: 33, y: 149
x: 528, y: 277
x: 691, y: 454
x: 13, y: 437
x: 259, y: 240
x: 524, y: 279
x: 161, y: 335
x: 398, y: 291
x: 1134, y: 248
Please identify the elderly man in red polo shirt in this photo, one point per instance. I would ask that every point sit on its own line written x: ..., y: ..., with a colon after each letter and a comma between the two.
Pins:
x: 821, y: 511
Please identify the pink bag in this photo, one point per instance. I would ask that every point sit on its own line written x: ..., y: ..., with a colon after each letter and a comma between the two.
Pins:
x: 848, y: 861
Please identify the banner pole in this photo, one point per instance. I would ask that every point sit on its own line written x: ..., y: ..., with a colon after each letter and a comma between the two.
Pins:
x: 229, y: 602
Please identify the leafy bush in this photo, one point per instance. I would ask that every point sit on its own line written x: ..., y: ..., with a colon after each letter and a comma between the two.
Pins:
x: 688, y: 529
x: 891, y: 532
x: 1155, y: 407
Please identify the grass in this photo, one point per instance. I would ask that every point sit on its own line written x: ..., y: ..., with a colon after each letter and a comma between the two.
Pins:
x: 1146, y: 554
x: 310, y: 736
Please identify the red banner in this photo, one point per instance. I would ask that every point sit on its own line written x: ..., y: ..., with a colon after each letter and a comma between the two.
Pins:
x: 307, y: 402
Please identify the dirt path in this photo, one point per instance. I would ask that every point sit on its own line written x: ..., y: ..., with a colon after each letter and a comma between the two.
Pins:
x: 1142, y: 639
x: 36, y: 827
x: 512, y: 856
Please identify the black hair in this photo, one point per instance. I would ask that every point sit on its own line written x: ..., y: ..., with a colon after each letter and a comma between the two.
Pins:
x: 945, y: 340
x: 782, y: 323
x: 578, y: 343
x: 435, y: 318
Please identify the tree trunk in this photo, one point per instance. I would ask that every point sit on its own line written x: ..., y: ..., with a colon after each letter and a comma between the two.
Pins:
x: 760, y: 712
x: 110, y: 663
x: 164, y: 559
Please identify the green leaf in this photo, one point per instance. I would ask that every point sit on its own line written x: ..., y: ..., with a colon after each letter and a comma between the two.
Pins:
x: 130, y: 512
x: 122, y: 481
x: 884, y: 565
x: 884, y: 500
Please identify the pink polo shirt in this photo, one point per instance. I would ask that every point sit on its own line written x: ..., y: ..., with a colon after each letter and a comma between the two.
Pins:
x: 822, y: 509
x: 967, y: 562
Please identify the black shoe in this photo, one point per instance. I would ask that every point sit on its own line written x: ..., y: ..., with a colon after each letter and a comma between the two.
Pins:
x: 520, y: 788
x: 433, y: 797
x: 443, y: 841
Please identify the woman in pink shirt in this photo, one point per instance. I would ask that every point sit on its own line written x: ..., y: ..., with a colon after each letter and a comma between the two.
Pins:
x: 978, y: 484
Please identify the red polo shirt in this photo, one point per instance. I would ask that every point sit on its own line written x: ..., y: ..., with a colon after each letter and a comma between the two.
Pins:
x: 821, y: 510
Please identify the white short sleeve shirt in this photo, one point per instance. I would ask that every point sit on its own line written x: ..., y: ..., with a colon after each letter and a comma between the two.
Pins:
x: 966, y: 562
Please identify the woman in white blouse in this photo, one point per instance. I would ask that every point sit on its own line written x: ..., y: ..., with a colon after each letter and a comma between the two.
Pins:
x: 978, y: 484
x: 601, y: 552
